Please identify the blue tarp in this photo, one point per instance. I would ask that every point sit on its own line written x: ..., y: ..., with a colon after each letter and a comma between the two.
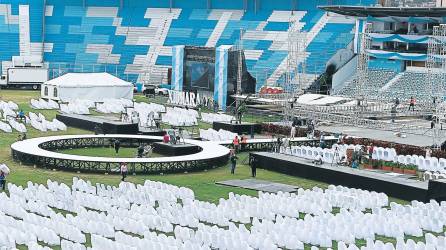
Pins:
x: 399, y: 56
x: 400, y: 38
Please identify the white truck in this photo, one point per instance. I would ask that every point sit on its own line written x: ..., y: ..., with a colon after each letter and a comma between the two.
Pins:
x: 24, y: 77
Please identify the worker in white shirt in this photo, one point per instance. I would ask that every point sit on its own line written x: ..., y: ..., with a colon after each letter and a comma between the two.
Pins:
x: 318, y: 159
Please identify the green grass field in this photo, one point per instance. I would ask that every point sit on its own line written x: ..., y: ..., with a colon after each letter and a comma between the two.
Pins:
x: 105, y: 152
x: 202, y: 183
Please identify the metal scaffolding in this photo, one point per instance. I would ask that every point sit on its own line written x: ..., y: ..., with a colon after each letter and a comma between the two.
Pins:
x: 240, y: 63
x: 363, y: 63
x: 46, y: 160
x: 296, y: 60
x: 359, y: 115
x: 238, y: 47
x: 436, y: 80
x: 296, y: 64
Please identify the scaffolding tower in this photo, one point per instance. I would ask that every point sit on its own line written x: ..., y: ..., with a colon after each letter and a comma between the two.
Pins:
x: 362, y: 71
x: 296, y: 60
x: 296, y: 64
x: 436, y: 80
x: 238, y: 47
x: 363, y: 64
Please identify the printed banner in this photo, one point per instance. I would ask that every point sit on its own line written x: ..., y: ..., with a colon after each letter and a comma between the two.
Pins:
x: 177, y: 67
x: 221, y: 76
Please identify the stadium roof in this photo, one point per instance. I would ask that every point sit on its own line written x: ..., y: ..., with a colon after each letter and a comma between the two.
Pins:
x: 365, y: 11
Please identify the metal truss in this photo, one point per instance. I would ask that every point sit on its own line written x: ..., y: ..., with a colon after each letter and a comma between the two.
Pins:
x: 238, y: 47
x: 373, y: 109
x: 90, y: 142
x: 349, y: 120
x: 296, y: 60
x: 363, y: 63
x: 97, y: 166
x: 270, y: 145
x: 436, y: 79
x: 53, y: 162
x: 296, y: 65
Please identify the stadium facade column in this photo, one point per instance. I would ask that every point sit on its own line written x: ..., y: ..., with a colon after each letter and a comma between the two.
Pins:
x: 221, y: 76
x: 177, y: 67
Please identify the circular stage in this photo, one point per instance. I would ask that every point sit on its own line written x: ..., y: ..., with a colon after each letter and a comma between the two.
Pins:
x: 40, y: 152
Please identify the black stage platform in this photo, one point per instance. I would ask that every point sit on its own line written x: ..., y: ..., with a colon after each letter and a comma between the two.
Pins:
x: 108, y: 126
x: 244, y: 128
x: 174, y: 150
x: 150, y: 131
x: 259, y: 185
x: 40, y: 152
x: 437, y: 190
x: 398, y: 187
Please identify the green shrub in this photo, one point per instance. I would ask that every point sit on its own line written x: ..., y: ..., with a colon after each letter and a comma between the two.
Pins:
x: 388, y: 163
x: 366, y: 161
x: 412, y: 167
x: 377, y: 164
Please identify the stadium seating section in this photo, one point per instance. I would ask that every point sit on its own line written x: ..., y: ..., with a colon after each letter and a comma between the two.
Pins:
x: 413, y: 84
x: 377, y: 80
x: 411, y: 3
x: 385, y: 84
x: 134, y: 40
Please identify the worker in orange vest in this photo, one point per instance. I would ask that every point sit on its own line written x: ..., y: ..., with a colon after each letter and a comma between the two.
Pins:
x: 236, y: 143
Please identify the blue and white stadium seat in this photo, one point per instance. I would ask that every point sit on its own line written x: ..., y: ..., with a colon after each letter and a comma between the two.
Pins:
x: 136, y: 39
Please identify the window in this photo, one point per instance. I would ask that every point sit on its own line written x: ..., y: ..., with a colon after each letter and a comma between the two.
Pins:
x: 55, y: 92
x: 45, y: 91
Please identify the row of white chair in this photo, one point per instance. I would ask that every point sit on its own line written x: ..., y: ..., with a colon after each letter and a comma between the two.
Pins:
x: 7, y: 109
x: 147, y: 113
x: 429, y: 175
x: 220, y: 135
x: 390, y: 154
x: 42, y: 104
x: 115, y: 106
x: 13, y: 124
x: 327, y: 155
x: 212, y: 117
x: 8, y: 105
x: 73, y: 108
x: 180, y: 117
x: 5, y: 127
x: 429, y: 164
x: 8, y: 113
x: 125, y: 217
x: 40, y: 123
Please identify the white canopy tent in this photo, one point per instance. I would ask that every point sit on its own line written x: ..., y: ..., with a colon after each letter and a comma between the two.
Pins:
x: 87, y: 86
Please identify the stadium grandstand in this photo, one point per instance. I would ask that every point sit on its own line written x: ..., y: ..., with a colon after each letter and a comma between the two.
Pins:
x: 398, y: 64
x: 133, y: 39
x: 223, y: 124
